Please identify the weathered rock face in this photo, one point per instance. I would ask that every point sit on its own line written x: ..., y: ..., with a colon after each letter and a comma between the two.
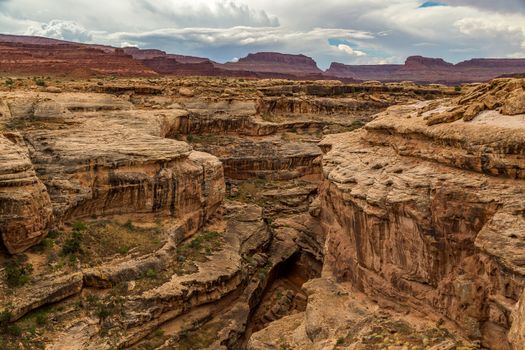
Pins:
x: 29, y: 57
x: 25, y: 208
x: 109, y: 160
x: 506, y: 96
x: 406, y: 224
x: 144, y: 252
x: 517, y: 332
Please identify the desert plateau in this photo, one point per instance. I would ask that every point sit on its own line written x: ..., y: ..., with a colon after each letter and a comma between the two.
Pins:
x: 330, y: 189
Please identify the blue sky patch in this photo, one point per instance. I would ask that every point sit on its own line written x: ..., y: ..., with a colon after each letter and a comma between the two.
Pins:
x: 432, y: 4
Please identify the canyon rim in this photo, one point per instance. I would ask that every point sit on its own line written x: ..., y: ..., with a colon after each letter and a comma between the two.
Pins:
x: 169, y: 199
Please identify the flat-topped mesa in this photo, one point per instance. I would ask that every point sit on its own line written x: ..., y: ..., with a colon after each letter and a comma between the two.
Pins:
x: 420, y: 62
x: 97, y: 156
x: 406, y: 223
x: 143, y: 54
x: 431, y: 70
x: 277, y: 63
x: 72, y: 59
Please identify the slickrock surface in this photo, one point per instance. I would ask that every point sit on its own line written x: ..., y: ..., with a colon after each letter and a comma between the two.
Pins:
x: 432, y: 217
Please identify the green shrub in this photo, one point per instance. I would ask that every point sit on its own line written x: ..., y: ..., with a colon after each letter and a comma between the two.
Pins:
x: 104, y: 310
x: 53, y: 234
x: 41, y: 319
x: 340, y: 341
x: 5, y: 318
x: 17, y: 273
x: 6, y: 327
x: 40, y: 82
x: 73, y: 245
x: 457, y: 88
x: 9, y: 82
x: 150, y: 273
x: 79, y: 226
x: 128, y: 225
x: 158, y: 333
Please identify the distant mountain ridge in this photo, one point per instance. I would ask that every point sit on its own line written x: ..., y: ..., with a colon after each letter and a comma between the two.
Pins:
x: 29, y: 55
x: 432, y: 70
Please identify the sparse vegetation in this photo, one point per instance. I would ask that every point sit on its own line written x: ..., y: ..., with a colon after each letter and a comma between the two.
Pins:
x: 9, y: 82
x: 73, y: 245
x: 40, y: 82
x: 17, y: 273
x: 457, y: 88
x: 151, y: 273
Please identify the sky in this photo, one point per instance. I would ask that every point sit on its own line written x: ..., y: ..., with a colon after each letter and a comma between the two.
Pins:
x: 345, y: 31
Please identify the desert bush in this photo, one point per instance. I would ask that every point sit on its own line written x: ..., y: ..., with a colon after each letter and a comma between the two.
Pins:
x: 74, y: 244
x: 17, y: 273
x: 40, y: 82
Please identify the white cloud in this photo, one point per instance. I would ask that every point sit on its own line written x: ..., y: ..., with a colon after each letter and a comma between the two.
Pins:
x: 348, y: 50
x: 384, y: 30
x: 64, y: 30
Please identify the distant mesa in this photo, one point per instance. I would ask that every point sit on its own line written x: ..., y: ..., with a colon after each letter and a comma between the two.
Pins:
x: 29, y: 55
x: 432, y: 70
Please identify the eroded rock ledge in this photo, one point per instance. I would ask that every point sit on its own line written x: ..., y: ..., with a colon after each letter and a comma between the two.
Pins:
x: 431, y: 217
x: 96, y: 156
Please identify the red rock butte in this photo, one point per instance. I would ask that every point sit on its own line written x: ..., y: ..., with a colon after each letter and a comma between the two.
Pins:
x: 25, y: 55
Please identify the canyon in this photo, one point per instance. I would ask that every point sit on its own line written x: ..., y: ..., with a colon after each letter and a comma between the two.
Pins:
x: 232, y: 213
x: 27, y: 55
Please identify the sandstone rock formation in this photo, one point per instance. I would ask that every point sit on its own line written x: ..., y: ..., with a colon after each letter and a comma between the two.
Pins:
x: 431, y: 70
x: 25, y: 208
x: 26, y: 55
x: 274, y: 62
x: 407, y: 224
x: 208, y: 214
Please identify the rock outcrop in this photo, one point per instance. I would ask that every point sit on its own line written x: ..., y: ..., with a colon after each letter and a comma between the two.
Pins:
x: 221, y: 213
x: 407, y: 224
x: 110, y: 159
x: 25, y: 207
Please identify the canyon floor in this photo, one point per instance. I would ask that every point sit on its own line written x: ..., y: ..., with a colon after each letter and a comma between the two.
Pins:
x: 222, y: 213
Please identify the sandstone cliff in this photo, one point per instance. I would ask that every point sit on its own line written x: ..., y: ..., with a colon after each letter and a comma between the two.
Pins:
x: 406, y: 223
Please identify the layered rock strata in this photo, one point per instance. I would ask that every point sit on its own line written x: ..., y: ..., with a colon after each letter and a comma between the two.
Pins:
x: 431, y: 217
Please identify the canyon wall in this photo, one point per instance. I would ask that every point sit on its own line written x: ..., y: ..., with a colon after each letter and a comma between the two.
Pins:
x: 110, y: 159
x: 432, y: 217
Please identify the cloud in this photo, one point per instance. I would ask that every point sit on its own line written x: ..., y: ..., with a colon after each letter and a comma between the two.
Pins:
x: 64, y: 30
x: 384, y: 30
x: 505, y: 6
x: 223, y: 43
x: 214, y: 14
x: 348, y: 50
